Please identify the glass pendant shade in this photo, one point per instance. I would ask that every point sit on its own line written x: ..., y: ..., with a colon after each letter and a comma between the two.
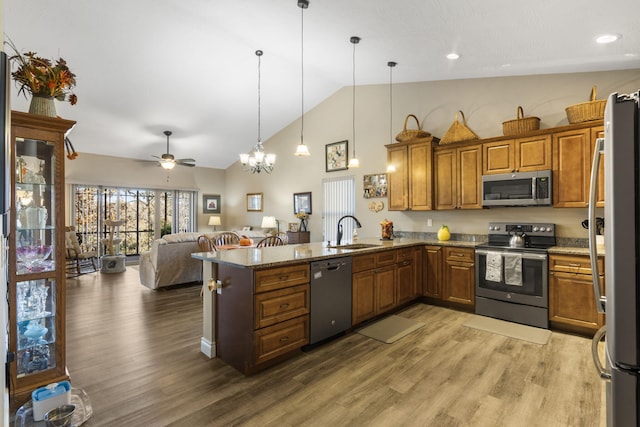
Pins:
x: 302, y: 150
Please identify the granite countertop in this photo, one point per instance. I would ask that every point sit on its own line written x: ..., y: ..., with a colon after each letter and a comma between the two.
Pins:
x: 307, y: 252
x: 573, y: 250
x: 251, y: 257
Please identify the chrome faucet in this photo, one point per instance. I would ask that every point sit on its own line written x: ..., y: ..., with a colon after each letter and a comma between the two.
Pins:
x: 339, y: 236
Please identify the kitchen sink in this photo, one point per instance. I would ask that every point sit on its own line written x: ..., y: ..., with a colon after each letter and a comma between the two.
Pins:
x: 354, y: 246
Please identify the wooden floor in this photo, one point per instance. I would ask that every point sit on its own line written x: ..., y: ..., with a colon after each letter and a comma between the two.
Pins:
x: 136, y: 353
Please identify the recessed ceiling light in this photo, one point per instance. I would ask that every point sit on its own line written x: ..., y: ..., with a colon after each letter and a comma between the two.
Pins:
x: 453, y: 55
x: 608, y: 38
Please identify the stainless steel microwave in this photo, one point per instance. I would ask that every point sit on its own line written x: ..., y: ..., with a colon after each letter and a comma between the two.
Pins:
x: 517, y: 189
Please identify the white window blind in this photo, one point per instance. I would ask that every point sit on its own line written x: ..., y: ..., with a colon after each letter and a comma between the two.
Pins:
x: 339, y: 200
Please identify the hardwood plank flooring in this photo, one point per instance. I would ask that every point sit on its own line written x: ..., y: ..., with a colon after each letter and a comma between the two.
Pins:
x: 136, y: 353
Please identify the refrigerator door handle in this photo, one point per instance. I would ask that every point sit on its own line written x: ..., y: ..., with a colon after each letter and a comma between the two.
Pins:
x: 603, y: 372
x: 593, y: 250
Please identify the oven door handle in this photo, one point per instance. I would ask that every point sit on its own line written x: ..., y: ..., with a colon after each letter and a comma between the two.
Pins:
x: 525, y: 255
x: 601, y: 301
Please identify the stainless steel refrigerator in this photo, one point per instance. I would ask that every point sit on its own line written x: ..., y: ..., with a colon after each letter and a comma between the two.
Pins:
x: 621, y: 150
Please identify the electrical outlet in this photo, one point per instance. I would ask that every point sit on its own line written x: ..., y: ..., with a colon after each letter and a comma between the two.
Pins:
x: 429, y: 222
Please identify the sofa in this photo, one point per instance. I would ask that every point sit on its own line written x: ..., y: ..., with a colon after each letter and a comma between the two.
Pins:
x: 169, y: 260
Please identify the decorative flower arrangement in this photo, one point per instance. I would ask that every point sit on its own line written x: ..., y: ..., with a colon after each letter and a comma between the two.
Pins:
x: 303, y: 217
x: 40, y: 77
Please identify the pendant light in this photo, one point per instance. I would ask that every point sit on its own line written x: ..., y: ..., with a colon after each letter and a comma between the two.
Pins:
x: 258, y: 161
x: 391, y: 167
x: 302, y: 149
x: 354, y: 162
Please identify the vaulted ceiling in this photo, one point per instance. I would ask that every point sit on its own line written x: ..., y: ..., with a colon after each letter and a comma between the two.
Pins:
x: 189, y: 66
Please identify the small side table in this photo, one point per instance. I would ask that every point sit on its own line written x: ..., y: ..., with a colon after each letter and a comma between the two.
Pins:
x: 298, y: 237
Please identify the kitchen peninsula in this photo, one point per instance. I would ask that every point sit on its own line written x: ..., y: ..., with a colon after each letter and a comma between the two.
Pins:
x: 256, y: 300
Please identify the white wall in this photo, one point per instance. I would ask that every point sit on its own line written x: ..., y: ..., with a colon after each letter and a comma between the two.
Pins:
x: 486, y: 104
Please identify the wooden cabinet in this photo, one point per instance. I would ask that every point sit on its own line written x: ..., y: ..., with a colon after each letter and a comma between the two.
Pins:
x: 448, y: 275
x: 298, y: 237
x: 459, y: 276
x: 382, y: 281
x: 373, y: 285
x: 517, y: 155
x: 263, y: 315
x: 458, y: 177
x: 408, y: 275
x: 572, y: 157
x: 572, y: 305
x: 432, y: 271
x: 36, y: 258
x: 410, y: 186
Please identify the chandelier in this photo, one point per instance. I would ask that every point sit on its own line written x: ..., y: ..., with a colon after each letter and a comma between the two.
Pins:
x: 258, y: 161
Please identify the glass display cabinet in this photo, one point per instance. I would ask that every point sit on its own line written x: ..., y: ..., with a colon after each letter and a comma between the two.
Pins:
x: 36, y: 254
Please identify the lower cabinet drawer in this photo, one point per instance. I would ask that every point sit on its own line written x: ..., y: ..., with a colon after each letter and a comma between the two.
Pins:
x: 277, y: 306
x: 279, y: 339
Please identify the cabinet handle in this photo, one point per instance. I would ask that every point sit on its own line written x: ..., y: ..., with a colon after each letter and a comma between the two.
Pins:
x: 574, y: 265
x: 284, y: 339
x: 285, y: 305
x: 283, y: 278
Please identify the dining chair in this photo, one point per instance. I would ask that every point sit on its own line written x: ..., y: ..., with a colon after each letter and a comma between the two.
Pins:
x: 283, y: 236
x: 270, y: 241
x: 227, y: 238
x: 206, y: 244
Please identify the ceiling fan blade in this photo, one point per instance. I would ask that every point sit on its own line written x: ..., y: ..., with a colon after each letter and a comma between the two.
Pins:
x: 186, y: 162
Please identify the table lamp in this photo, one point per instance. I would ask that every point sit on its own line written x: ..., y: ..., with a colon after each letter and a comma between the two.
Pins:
x: 269, y: 222
x: 215, y: 221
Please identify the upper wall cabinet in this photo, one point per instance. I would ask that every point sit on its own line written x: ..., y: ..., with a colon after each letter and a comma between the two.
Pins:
x: 410, y: 186
x: 517, y: 155
x: 432, y: 176
x: 458, y: 177
x: 572, y: 155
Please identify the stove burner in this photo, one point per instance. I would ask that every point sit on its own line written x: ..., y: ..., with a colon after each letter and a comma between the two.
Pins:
x: 538, y: 236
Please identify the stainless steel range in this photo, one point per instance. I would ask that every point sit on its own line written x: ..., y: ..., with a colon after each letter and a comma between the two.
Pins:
x: 512, y: 273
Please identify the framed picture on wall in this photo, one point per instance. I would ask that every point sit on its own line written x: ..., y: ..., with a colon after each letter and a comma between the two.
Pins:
x: 254, y: 202
x: 211, y: 203
x: 375, y: 186
x: 302, y: 203
x: 337, y: 156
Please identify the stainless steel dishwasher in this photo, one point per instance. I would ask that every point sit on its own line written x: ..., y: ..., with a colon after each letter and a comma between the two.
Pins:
x: 330, y: 298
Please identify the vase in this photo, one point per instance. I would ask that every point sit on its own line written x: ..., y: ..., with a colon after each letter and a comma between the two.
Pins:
x: 42, y: 105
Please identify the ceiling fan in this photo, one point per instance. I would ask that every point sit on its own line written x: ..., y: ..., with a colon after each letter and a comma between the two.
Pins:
x: 167, y: 161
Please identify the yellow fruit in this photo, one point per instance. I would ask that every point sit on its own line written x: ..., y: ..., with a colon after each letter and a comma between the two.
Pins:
x: 443, y: 233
